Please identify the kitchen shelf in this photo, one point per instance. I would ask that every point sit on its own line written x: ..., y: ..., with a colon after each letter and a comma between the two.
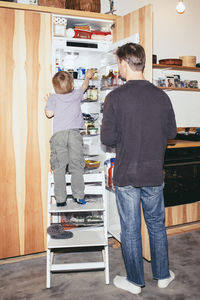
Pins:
x: 180, y: 68
x: 89, y: 135
x: 178, y: 89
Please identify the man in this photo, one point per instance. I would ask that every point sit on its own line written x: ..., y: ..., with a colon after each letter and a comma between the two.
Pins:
x: 138, y: 119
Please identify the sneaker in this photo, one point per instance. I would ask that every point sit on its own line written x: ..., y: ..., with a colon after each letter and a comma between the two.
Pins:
x: 80, y: 201
x: 59, y: 204
x: 122, y: 283
x: 163, y: 283
x: 56, y: 231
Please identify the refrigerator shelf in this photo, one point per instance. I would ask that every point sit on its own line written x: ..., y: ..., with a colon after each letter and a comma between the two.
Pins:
x: 89, y: 101
x: 90, y: 135
x: 110, y: 87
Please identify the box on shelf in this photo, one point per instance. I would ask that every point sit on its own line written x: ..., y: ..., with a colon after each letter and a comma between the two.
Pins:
x: 59, y: 26
x: 33, y: 2
x: 188, y: 61
x: 85, y: 5
x: 52, y: 3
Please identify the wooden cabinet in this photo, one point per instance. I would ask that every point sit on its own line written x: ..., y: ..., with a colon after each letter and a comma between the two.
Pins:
x: 25, y: 59
x: 138, y: 21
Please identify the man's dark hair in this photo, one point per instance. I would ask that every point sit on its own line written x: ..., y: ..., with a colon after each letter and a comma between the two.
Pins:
x: 133, y: 54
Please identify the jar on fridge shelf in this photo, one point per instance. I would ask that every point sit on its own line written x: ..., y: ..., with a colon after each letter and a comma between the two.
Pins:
x: 88, y: 126
x: 88, y: 92
x: 93, y: 93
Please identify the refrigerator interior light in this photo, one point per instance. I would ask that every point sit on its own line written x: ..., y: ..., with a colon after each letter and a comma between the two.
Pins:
x: 180, y: 8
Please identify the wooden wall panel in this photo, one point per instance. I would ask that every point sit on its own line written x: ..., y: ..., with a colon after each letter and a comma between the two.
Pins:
x: 20, y: 118
x: 25, y: 59
x: 139, y: 21
x: 44, y: 124
x: 9, y: 221
x: 33, y: 205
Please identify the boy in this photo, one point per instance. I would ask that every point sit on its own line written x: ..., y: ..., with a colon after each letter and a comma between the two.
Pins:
x: 66, y: 143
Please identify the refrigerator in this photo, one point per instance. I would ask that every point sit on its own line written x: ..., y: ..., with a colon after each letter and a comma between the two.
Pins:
x: 76, y: 50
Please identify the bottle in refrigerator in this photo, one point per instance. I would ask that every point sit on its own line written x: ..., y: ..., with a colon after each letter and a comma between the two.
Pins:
x: 110, y: 173
x: 115, y: 78
x: 110, y: 78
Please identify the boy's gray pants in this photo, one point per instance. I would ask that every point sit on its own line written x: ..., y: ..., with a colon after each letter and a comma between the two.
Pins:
x: 67, y: 149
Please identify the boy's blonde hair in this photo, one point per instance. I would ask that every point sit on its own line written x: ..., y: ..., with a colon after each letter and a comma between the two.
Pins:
x: 63, y: 82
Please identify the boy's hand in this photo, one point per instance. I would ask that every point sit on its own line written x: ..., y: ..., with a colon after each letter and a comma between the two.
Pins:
x: 45, y: 98
x: 89, y: 74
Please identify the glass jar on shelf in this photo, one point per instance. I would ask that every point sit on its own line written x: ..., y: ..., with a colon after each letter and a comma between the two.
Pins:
x: 93, y: 93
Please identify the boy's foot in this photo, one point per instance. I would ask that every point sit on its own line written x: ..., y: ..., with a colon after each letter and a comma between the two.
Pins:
x: 60, y: 204
x: 122, y: 283
x: 80, y: 201
x: 163, y: 283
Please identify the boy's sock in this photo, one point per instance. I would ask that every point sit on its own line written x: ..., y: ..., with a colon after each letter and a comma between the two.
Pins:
x: 80, y: 201
x: 163, y: 283
x: 122, y: 283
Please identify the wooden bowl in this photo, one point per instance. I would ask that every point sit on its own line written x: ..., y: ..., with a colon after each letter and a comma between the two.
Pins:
x: 171, y: 62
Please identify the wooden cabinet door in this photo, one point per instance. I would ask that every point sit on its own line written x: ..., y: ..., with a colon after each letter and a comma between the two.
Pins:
x: 25, y: 60
x: 139, y: 21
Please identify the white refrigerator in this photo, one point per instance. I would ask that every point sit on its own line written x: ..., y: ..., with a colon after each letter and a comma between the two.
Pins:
x: 79, y: 54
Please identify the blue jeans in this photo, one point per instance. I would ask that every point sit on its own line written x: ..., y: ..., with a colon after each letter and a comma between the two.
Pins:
x: 128, y: 203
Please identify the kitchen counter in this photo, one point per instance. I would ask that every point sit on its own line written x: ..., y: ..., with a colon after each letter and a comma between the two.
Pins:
x: 182, y: 144
x: 178, y: 219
